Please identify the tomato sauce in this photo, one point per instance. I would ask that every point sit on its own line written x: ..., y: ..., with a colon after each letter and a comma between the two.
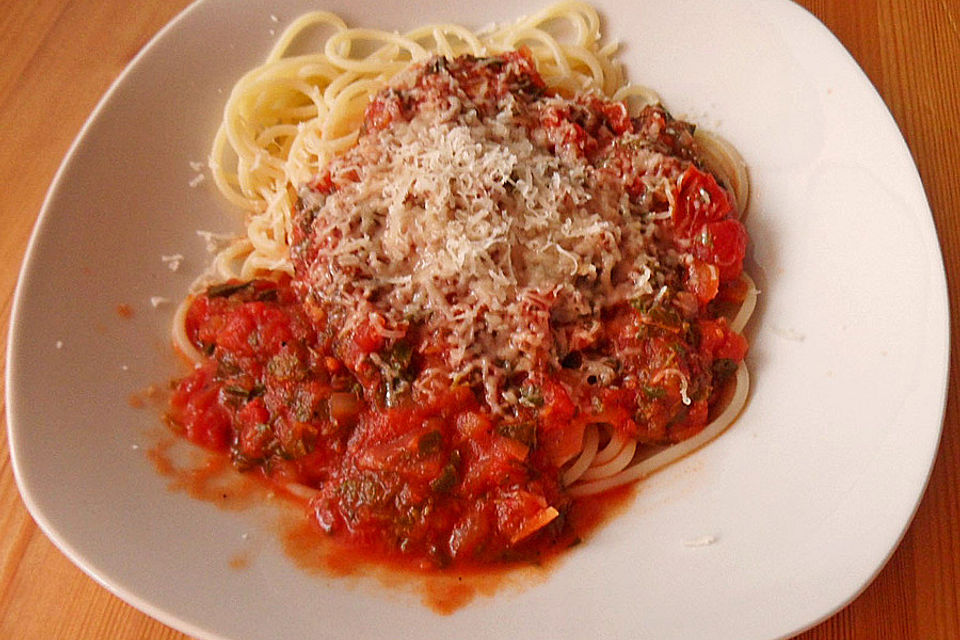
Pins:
x: 440, y: 479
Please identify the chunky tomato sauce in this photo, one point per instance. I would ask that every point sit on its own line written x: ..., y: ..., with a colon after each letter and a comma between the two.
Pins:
x: 435, y: 476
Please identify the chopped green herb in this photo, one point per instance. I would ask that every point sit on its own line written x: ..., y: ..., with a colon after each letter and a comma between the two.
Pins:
x: 226, y: 367
x: 429, y: 443
x: 530, y: 396
x: 439, y: 64
x: 572, y: 360
x: 679, y: 417
x: 286, y: 366
x: 444, y: 482
x: 236, y: 390
x: 525, y: 432
x: 654, y: 393
x: 226, y: 289
x: 723, y: 368
x: 492, y: 62
x: 303, y: 406
x: 400, y: 356
x: 396, y: 373
x: 266, y: 295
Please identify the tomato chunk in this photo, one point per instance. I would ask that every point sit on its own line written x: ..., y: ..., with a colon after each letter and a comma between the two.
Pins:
x: 699, y: 201
x: 723, y: 244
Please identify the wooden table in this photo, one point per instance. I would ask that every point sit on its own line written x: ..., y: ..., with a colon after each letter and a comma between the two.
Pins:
x: 57, y: 57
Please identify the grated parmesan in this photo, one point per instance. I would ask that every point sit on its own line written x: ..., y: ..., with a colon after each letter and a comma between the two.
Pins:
x: 172, y: 261
x: 469, y: 220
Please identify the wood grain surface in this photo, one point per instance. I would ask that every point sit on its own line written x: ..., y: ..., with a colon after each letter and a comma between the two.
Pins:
x: 57, y: 57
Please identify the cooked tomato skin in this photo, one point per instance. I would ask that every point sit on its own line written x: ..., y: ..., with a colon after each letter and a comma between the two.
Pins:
x: 196, y: 406
x: 705, y: 215
x: 724, y: 244
x: 703, y: 280
x: 700, y: 200
x: 718, y: 341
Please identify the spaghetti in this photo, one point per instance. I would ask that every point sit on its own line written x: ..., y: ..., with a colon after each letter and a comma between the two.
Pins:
x: 481, y: 279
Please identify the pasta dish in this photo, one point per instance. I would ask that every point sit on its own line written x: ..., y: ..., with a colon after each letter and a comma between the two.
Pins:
x: 483, y: 280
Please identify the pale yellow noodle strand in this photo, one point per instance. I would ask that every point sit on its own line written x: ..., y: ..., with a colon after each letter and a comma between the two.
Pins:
x: 588, y: 60
x: 257, y: 175
x: 414, y: 50
x: 636, y: 97
x: 747, y: 307
x: 300, y: 25
x: 346, y: 111
x: 268, y: 234
x: 582, y: 16
x: 443, y: 45
x: 304, y: 66
x: 612, y: 449
x: 179, y: 332
x: 616, y: 465
x: 226, y: 182
x: 723, y: 159
x: 609, y: 50
x: 228, y: 263
x: 271, y: 136
x: 338, y: 84
x: 440, y: 34
x: 532, y: 36
x: 591, y: 438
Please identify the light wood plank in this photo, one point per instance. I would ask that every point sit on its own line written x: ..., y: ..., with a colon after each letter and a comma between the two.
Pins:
x: 54, y: 67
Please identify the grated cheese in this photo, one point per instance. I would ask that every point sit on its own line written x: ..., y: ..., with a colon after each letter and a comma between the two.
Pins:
x: 503, y: 245
x: 172, y: 261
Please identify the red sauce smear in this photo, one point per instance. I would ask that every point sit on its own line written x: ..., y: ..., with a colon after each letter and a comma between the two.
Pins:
x: 212, y: 479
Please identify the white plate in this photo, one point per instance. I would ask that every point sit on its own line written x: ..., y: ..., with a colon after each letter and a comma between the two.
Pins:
x: 804, y: 498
